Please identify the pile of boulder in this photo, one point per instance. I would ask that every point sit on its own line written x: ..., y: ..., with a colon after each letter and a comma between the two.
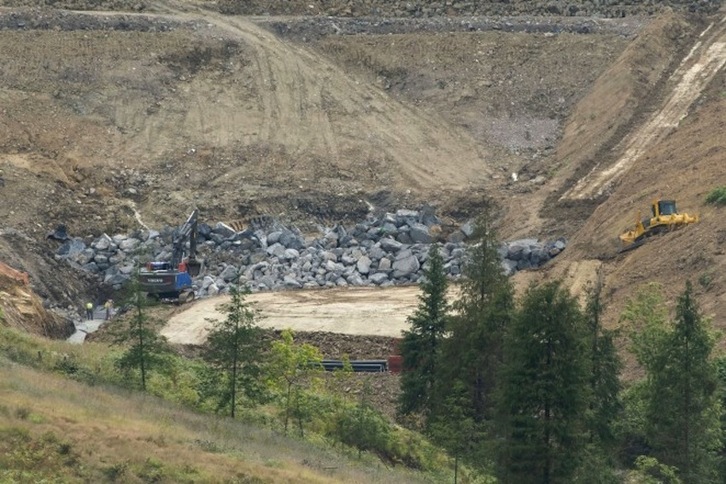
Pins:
x: 380, y: 251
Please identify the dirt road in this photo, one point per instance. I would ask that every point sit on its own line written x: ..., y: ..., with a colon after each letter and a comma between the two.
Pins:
x: 360, y: 311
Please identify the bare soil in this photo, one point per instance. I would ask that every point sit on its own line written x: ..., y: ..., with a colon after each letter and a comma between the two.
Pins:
x: 355, y: 311
x: 115, y: 117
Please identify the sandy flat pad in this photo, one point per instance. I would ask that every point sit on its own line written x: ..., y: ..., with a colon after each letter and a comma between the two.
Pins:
x: 363, y: 311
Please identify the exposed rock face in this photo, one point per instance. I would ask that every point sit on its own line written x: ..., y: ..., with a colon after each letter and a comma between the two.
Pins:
x: 21, y: 308
x: 435, y: 8
x: 383, y: 251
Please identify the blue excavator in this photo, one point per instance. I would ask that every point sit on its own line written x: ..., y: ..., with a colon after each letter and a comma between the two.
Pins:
x: 171, y: 281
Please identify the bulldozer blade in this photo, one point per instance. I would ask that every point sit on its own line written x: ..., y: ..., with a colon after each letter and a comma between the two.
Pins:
x: 632, y: 246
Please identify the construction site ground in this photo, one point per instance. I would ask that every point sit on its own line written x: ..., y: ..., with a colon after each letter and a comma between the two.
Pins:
x: 117, y: 119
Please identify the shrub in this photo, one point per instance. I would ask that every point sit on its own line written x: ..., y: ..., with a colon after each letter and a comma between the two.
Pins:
x: 717, y: 196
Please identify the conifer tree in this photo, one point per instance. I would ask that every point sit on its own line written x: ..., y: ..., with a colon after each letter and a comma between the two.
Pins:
x: 234, y: 350
x: 544, y: 388
x: 605, y: 365
x: 454, y: 428
x: 420, y: 347
x: 146, y: 349
x: 682, y: 407
x: 472, y: 353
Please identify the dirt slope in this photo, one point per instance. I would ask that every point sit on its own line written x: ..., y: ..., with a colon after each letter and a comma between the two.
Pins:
x: 677, y: 152
x: 114, y: 118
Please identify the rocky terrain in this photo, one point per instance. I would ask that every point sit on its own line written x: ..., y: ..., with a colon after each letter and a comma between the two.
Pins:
x: 386, y: 251
x: 121, y: 119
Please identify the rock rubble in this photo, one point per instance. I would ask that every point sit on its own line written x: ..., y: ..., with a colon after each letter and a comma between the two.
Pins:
x: 380, y: 251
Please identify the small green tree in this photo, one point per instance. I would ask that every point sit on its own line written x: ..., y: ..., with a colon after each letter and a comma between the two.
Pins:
x: 544, y: 388
x: 146, y: 349
x: 420, y: 346
x: 472, y: 353
x: 234, y: 350
x: 290, y: 365
x: 362, y: 426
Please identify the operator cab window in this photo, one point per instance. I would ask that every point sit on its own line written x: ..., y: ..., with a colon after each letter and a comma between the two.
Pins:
x: 159, y: 266
x: 667, y: 207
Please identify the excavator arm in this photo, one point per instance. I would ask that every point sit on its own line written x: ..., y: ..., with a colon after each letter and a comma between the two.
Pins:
x: 187, y: 232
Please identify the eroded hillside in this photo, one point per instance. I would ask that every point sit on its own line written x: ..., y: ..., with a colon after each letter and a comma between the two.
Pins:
x: 113, y: 120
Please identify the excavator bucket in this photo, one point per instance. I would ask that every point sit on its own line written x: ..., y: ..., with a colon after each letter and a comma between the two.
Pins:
x: 194, y: 267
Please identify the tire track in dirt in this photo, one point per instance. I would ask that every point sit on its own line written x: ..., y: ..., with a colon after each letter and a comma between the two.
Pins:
x: 310, y: 105
x: 698, y: 68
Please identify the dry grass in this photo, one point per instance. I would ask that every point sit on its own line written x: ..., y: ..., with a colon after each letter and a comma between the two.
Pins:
x: 61, y: 429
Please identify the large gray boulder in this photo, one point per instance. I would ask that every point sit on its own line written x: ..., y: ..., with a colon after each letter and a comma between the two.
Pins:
x: 276, y: 250
x: 223, y: 230
x: 405, y: 266
x: 273, y: 237
x: 419, y: 233
x: 292, y: 241
x: 229, y: 273
x: 405, y: 216
x: 363, y: 265
x: 84, y: 257
x: 206, y: 282
x: 291, y: 283
x: 390, y: 245
x: 509, y: 267
x: 102, y: 243
x: 129, y: 244
x: 378, y: 278
x: 71, y: 248
x: 376, y: 252
x: 468, y: 228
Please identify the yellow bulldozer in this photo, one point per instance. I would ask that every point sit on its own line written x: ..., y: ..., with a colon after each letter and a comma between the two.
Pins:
x: 664, y: 217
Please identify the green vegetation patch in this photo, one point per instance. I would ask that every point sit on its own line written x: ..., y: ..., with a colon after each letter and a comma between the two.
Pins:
x: 27, y: 458
x: 717, y: 196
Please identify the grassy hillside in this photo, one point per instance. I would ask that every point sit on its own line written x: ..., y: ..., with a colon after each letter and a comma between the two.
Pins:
x: 63, y: 418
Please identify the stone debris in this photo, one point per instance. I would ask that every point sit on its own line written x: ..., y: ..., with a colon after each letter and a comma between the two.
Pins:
x: 380, y: 251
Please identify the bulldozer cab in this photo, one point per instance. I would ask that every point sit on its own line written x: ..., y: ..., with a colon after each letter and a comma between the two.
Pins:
x: 664, y: 207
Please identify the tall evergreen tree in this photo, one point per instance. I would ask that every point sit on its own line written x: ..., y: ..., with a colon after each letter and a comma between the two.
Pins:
x: 472, y: 354
x: 234, y: 350
x: 146, y: 349
x: 605, y: 365
x: 420, y: 347
x: 682, y: 404
x: 454, y: 428
x: 544, y: 388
